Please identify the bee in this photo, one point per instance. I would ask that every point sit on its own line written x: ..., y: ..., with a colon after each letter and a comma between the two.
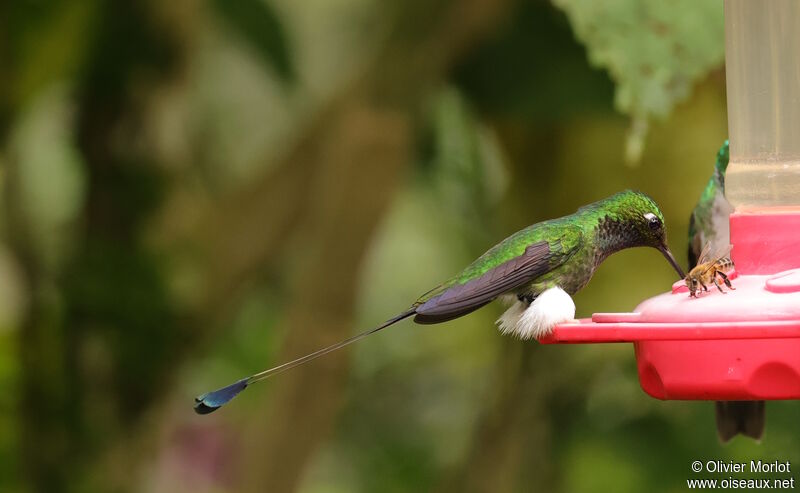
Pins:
x: 710, y: 269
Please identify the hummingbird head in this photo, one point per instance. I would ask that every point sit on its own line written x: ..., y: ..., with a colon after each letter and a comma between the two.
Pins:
x: 723, y: 156
x: 721, y: 165
x: 633, y: 219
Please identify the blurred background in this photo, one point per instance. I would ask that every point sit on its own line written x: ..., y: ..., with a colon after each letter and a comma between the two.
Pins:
x: 196, y: 190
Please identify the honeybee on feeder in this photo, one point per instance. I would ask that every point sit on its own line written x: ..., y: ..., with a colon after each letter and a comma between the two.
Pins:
x: 710, y: 269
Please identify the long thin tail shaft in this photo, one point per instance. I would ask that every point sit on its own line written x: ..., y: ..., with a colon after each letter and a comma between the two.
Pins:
x: 211, y: 401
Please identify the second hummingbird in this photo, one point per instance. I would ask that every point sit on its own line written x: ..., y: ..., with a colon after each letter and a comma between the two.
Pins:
x: 536, y: 269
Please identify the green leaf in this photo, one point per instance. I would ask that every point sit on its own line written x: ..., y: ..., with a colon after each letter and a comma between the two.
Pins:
x: 653, y: 50
x: 260, y: 26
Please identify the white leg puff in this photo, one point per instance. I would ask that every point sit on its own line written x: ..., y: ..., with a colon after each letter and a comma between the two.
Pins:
x: 549, y: 309
x: 507, y: 323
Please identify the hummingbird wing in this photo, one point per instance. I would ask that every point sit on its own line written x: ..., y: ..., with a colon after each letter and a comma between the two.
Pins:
x: 459, y: 299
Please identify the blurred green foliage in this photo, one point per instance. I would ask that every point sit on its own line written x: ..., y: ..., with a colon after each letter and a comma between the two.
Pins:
x: 547, y: 80
x: 654, y: 51
x: 175, y: 218
x: 258, y: 24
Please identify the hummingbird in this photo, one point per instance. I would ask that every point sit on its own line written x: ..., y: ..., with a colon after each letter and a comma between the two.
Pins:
x: 709, y: 225
x: 535, y: 270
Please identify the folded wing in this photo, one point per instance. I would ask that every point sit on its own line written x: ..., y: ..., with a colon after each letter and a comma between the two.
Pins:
x: 460, y: 299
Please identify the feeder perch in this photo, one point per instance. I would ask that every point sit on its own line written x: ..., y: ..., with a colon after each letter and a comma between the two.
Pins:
x: 743, y: 344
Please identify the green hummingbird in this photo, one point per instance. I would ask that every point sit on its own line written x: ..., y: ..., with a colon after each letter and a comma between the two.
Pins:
x: 709, y: 224
x: 536, y: 270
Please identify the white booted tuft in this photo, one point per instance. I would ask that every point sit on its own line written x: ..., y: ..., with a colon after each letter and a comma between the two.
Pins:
x: 507, y: 323
x: 549, y: 309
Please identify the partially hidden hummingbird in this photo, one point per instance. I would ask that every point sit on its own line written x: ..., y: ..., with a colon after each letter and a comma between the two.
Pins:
x: 709, y: 224
x: 536, y: 270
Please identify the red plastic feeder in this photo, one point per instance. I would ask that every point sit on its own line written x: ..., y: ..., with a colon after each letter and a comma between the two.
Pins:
x: 742, y: 345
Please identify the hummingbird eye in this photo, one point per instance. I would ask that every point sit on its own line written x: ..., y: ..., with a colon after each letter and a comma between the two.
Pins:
x: 653, y: 221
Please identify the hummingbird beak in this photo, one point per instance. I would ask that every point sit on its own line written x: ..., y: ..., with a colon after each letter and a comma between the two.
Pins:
x: 664, y: 249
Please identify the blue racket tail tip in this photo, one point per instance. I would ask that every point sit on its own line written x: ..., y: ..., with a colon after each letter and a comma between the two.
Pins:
x: 211, y: 401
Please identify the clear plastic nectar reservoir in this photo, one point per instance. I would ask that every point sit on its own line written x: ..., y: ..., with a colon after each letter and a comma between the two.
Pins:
x: 763, y: 69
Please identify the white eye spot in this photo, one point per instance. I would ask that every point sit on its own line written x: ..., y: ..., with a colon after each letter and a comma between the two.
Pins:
x: 653, y: 221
